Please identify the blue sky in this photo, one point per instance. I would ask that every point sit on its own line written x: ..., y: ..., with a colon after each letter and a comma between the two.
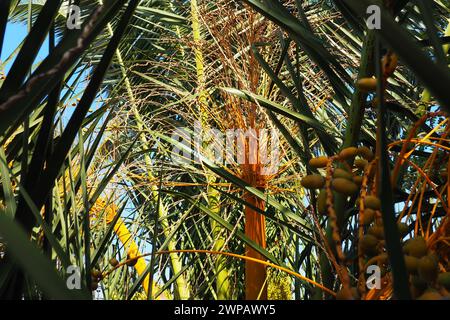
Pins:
x: 15, y: 34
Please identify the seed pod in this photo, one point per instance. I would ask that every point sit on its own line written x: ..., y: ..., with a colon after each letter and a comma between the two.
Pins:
x: 348, y: 153
x: 341, y: 173
x: 97, y: 274
x: 428, y: 268
x: 344, y: 186
x: 322, y: 202
x: 444, y: 280
x: 419, y: 283
x: 313, y: 181
x: 372, y: 202
x: 367, y: 84
x: 369, y: 215
x: 416, y: 247
x: 369, y: 244
x: 113, y: 262
x: 131, y: 262
x: 389, y: 64
x: 376, y: 231
x: 319, y: 162
x: 358, y: 180
x: 361, y: 163
x: 378, y: 221
x: 365, y: 153
x: 411, y: 263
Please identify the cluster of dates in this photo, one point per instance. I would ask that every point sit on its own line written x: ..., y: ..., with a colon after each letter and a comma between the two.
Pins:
x: 427, y: 280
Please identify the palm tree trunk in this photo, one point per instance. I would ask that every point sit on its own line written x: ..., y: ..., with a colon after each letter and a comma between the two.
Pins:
x: 255, y: 229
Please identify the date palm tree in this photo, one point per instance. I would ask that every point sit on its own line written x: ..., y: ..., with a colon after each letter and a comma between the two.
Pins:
x: 88, y: 140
